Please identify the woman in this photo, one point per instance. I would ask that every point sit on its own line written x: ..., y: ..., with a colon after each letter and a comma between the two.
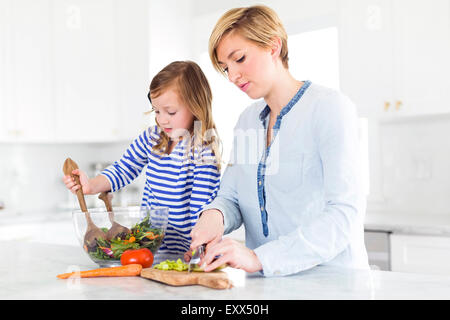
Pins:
x: 301, y: 202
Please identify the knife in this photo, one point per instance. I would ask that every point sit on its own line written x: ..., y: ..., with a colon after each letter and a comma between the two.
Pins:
x: 196, y: 256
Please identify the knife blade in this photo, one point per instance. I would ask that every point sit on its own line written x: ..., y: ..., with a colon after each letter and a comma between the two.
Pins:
x: 196, y: 256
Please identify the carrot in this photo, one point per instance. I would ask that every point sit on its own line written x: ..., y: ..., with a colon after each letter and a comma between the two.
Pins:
x: 121, y: 271
x: 150, y: 235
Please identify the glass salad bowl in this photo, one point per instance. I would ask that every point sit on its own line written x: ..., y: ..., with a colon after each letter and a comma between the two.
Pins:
x: 147, y: 229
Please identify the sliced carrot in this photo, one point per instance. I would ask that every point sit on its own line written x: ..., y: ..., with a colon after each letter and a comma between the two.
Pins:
x: 128, y: 270
x: 150, y: 235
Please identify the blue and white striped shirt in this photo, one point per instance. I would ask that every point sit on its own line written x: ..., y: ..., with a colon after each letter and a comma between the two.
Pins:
x: 184, y: 181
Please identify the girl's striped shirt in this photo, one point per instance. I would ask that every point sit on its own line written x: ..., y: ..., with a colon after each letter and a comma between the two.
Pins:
x: 184, y: 181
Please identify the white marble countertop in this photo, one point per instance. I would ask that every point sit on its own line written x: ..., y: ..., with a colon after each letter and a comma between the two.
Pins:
x: 29, y: 271
x: 421, y: 224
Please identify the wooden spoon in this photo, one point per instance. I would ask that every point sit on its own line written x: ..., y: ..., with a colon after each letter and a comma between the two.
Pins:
x: 116, y: 229
x: 92, y: 232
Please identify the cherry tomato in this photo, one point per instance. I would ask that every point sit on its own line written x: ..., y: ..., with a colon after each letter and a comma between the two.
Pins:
x: 143, y: 256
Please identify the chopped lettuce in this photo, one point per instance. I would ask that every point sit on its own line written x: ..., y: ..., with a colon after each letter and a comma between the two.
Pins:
x: 142, y: 236
x: 172, y: 265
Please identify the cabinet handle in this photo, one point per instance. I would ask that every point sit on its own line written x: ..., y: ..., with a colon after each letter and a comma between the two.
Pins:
x: 398, y: 104
x: 387, y: 104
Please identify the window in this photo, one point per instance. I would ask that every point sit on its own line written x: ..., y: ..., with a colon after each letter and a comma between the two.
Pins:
x: 314, y: 56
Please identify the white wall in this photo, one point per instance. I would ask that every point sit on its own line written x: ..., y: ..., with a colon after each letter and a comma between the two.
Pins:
x: 31, y: 174
x: 415, y: 170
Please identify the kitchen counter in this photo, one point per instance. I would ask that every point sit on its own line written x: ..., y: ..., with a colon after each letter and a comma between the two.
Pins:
x: 420, y: 224
x: 29, y: 272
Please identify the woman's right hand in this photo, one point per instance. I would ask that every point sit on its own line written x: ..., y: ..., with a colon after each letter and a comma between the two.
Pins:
x: 84, y: 181
x: 208, y: 229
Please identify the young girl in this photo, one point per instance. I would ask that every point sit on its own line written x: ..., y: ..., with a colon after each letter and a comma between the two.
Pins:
x: 181, y: 154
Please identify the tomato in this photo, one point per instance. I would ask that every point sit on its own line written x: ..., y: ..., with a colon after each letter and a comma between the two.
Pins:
x: 143, y: 256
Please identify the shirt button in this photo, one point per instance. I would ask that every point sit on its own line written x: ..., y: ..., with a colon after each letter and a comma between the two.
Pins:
x: 262, y: 208
x: 260, y: 182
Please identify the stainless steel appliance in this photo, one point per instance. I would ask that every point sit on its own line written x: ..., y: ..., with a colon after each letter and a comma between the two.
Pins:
x: 378, y: 249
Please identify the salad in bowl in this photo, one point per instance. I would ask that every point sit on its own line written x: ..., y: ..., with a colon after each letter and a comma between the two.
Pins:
x: 147, y: 227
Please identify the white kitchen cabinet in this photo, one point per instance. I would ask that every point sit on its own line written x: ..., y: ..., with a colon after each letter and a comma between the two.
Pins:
x: 421, y: 56
x: 6, y: 119
x: 393, y: 65
x: 26, y: 103
x: 366, y: 54
x: 84, y: 61
x: 73, y: 71
x: 420, y: 254
x: 394, y: 56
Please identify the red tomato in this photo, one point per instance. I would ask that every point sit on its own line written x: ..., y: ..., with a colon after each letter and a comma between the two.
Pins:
x: 143, y: 256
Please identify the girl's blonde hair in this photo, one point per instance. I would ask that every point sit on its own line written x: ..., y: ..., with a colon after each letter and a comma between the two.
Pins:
x: 259, y: 24
x: 192, y: 87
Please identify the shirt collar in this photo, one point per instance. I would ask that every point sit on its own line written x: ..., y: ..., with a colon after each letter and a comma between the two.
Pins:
x: 288, y: 107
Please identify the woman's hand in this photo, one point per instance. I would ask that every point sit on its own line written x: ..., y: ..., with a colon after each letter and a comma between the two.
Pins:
x: 84, y: 181
x: 208, y: 229
x: 232, y: 252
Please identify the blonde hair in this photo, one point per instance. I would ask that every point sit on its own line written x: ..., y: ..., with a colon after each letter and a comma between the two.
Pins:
x: 259, y: 24
x: 192, y: 87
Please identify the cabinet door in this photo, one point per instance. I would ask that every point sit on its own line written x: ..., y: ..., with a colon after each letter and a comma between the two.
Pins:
x: 132, y: 50
x: 84, y: 62
x: 421, y: 254
x: 366, y: 56
x: 73, y: 71
x: 394, y: 56
x: 26, y: 79
x: 7, y: 120
x: 421, y: 55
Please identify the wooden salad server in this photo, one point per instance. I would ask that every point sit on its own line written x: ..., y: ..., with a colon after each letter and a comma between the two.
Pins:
x: 92, y: 232
x: 116, y: 230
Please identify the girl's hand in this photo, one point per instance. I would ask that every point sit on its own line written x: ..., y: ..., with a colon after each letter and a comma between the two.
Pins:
x: 84, y: 181
x: 232, y: 252
x: 208, y: 229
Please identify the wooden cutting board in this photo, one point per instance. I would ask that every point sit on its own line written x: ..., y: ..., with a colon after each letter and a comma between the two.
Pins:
x: 214, y: 279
